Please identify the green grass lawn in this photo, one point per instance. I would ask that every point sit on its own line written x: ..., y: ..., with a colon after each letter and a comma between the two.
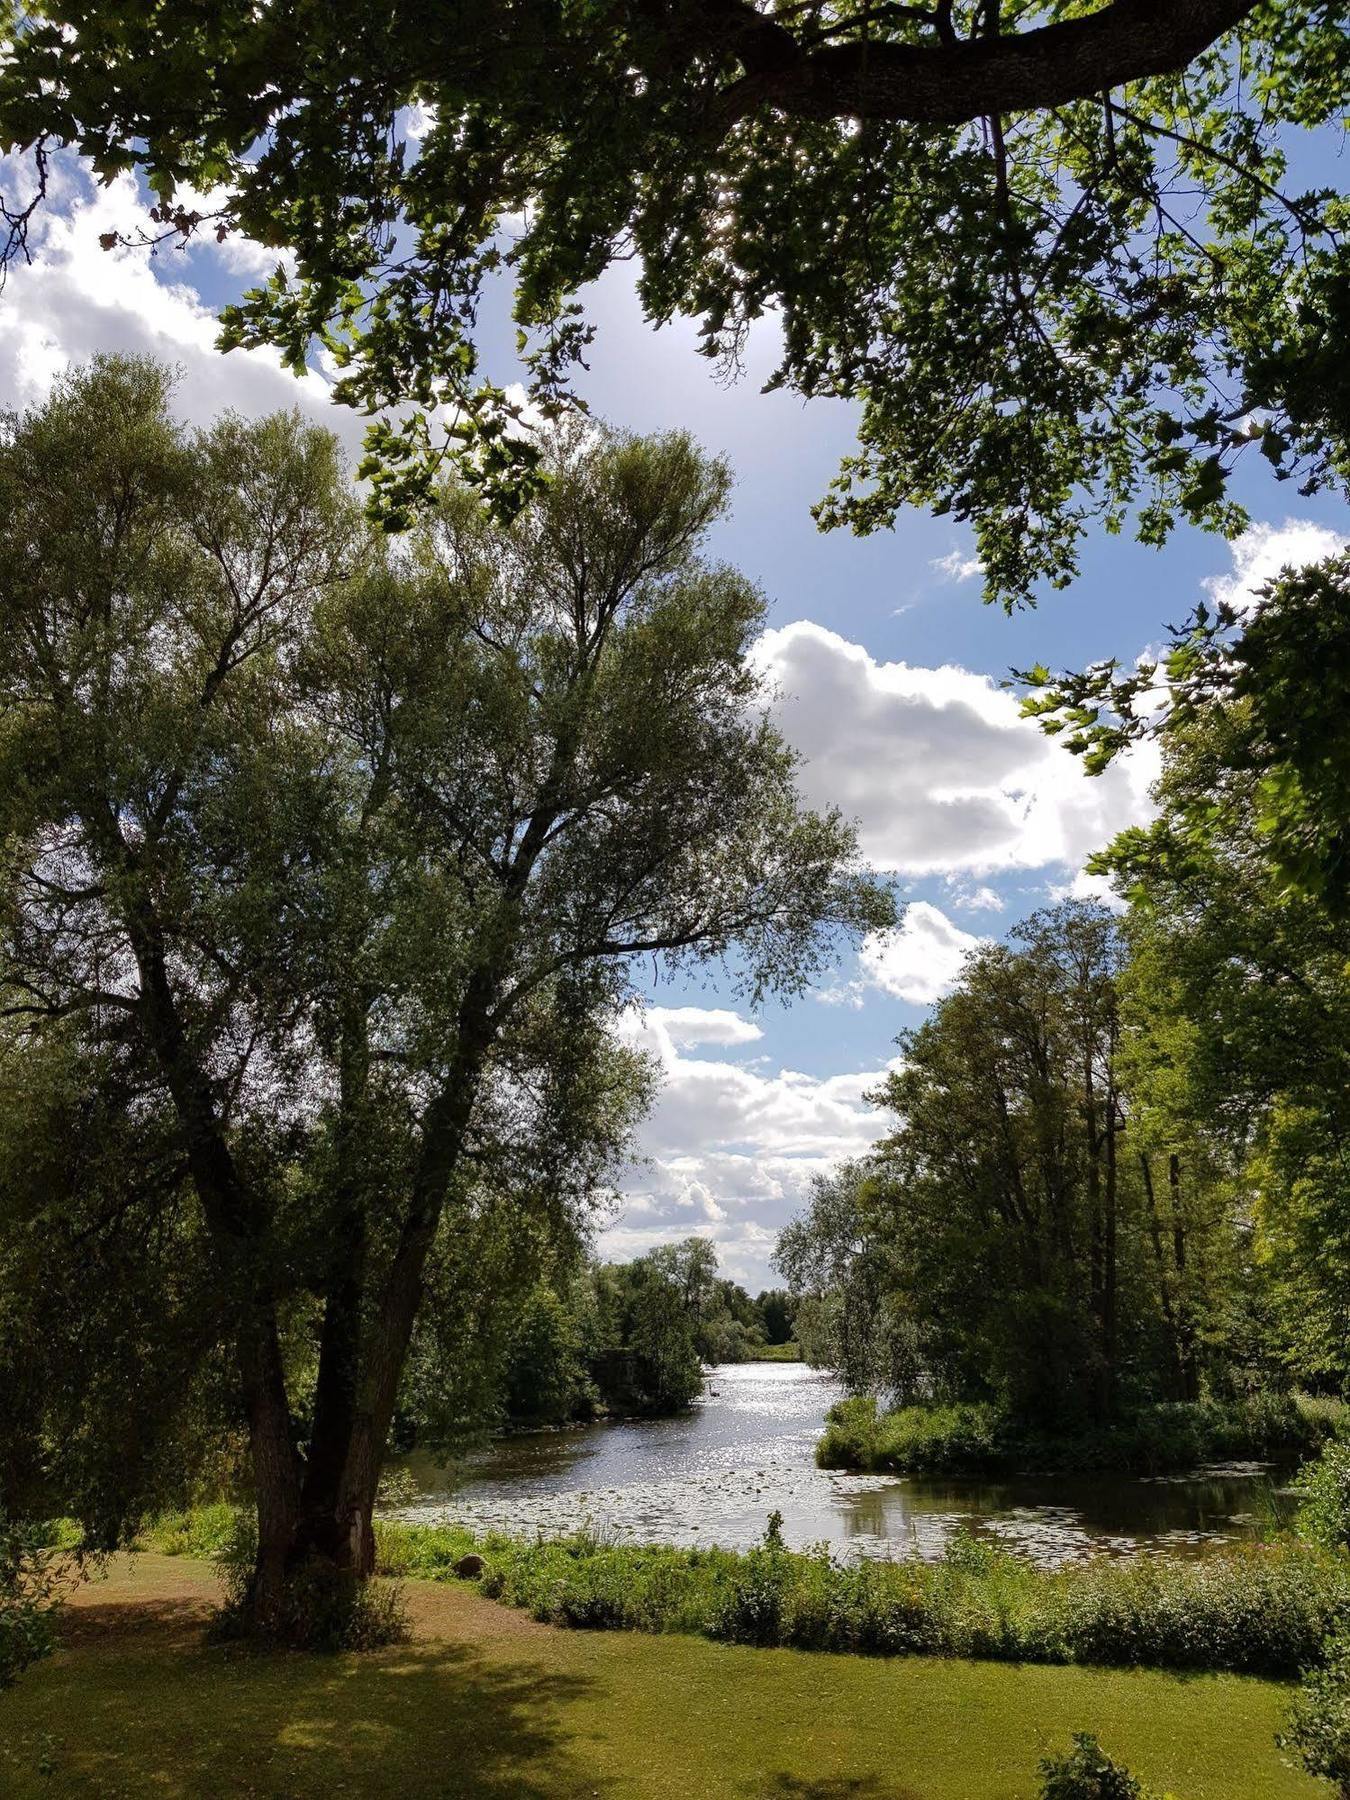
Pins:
x: 777, y: 1353
x: 484, y: 1702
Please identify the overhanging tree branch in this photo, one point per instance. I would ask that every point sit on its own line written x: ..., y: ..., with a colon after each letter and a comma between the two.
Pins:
x: 955, y: 83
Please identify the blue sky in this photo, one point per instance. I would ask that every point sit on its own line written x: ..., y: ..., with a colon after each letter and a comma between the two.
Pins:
x: 886, y: 661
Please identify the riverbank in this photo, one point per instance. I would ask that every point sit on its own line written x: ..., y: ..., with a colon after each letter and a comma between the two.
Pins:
x: 1255, y: 1608
x: 485, y: 1704
x: 1157, y: 1440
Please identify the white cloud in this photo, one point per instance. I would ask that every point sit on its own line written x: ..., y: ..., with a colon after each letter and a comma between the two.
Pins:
x: 921, y: 958
x: 1263, y: 551
x: 688, y: 1025
x: 1088, y: 887
x: 937, y: 765
x: 77, y: 298
x: 974, y: 899
x: 727, y: 1148
x: 956, y: 566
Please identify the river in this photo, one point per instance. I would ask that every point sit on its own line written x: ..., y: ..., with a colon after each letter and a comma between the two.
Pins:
x: 713, y: 1476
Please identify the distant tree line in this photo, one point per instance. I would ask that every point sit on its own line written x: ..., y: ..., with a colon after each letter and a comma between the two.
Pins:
x: 584, y: 1341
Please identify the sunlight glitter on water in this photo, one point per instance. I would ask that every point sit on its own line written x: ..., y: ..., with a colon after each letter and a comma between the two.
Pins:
x: 747, y: 1449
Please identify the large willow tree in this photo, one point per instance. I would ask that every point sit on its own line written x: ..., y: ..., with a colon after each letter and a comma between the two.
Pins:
x: 1073, y: 260
x: 326, y: 865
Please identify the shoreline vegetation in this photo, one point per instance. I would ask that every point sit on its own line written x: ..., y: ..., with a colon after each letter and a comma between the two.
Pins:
x: 1259, y: 1609
x: 1162, y: 1439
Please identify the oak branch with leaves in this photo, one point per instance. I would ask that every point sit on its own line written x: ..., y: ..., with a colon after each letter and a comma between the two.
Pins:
x: 1053, y: 250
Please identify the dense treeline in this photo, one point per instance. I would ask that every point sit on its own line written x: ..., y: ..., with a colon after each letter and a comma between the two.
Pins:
x: 584, y: 1341
x: 1115, y: 1175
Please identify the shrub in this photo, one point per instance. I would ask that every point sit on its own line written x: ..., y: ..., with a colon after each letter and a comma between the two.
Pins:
x: 29, y: 1599
x: 1318, y: 1727
x: 201, y: 1531
x: 1324, y: 1515
x: 752, y: 1609
x: 978, y: 1439
x: 398, y: 1488
x: 1087, y: 1773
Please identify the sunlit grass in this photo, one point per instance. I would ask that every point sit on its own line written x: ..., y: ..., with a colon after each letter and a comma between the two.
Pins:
x: 486, y: 1703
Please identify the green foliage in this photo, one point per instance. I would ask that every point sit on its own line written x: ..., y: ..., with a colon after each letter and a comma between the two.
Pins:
x: 30, y: 1593
x: 1324, y: 1515
x: 328, y: 861
x: 1318, y: 1726
x: 210, y: 1532
x: 1091, y: 309
x: 546, y: 1372
x: 1171, y: 1436
x: 1238, y: 1016
x: 775, y: 1309
x: 648, y: 1359
x: 1018, y: 1240
x: 1270, y: 681
x: 1259, y: 1609
x: 1087, y: 1773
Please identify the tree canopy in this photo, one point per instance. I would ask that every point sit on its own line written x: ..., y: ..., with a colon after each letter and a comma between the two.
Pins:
x: 326, y: 861
x: 1068, y: 258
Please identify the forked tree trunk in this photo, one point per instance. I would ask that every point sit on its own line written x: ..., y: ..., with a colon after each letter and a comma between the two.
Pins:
x: 360, y: 1369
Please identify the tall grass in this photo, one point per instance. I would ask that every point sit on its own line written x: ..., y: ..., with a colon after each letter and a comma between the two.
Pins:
x: 1260, y: 1608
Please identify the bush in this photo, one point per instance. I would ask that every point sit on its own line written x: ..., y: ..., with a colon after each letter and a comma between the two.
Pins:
x: 1087, y: 1773
x: 1318, y: 1728
x: 206, y: 1532
x: 30, y: 1582
x: 1324, y: 1515
x: 981, y: 1439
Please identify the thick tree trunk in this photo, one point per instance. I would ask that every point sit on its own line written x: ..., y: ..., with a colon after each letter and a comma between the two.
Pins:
x: 335, y: 1397
x: 1109, y: 1269
x: 1164, y: 1285
x: 1185, y: 1317
x: 236, y: 1223
x: 321, y: 1530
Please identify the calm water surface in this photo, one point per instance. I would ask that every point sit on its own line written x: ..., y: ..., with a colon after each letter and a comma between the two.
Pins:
x: 714, y: 1475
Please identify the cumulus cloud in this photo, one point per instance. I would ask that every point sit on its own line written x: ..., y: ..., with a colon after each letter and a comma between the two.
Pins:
x: 730, y: 1149
x: 1263, y: 551
x: 77, y: 298
x: 921, y: 958
x: 937, y: 765
x: 685, y: 1026
x: 1088, y: 887
x: 966, y: 898
x: 957, y: 566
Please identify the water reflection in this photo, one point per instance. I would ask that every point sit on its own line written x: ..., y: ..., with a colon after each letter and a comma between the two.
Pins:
x: 714, y: 1476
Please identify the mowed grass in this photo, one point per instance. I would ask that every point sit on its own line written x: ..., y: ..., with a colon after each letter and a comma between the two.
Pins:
x: 485, y: 1702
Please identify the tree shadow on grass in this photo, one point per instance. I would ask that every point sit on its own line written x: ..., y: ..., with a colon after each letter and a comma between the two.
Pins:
x: 831, y: 1787
x: 146, y: 1713
x: 165, y: 1623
